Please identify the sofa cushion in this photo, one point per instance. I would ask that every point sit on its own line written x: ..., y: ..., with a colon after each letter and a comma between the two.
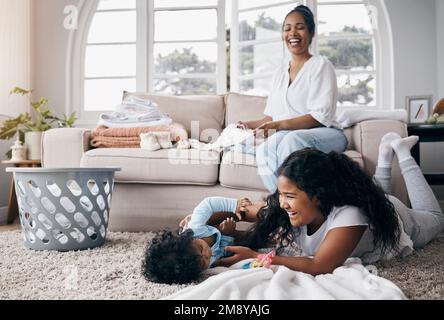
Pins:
x: 243, y: 107
x: 165, y: 166
x: 202, y: 116
x: 239, y: 170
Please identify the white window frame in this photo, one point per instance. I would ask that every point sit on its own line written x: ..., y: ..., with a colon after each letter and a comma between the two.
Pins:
x: 383, y: 59
x: 77, y: 43
x: 220, y: 76
x: 235, y: 44
x: 313, y: 5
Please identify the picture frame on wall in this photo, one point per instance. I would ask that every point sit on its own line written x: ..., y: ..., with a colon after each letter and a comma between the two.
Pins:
x: 418, y: 108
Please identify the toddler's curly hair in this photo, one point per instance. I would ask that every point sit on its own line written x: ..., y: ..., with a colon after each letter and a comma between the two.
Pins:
x: 171, y: 258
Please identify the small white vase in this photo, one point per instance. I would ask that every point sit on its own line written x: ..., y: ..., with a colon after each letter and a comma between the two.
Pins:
x: 33, y: 142
x: 18, y: 151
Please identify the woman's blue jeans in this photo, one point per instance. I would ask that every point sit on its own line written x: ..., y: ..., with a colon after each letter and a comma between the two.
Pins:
x: 272, y: 153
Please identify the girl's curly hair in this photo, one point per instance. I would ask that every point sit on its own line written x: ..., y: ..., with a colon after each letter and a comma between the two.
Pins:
x: 171, y: 258
x: 335, y: 180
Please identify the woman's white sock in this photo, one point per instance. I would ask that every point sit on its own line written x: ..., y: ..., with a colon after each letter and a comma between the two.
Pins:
x: 402, y: 147
x: 385, y: 156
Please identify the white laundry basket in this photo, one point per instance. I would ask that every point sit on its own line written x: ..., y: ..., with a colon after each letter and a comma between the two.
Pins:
x: 64, y: 208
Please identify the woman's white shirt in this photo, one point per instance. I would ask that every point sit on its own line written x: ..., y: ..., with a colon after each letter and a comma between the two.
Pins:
x: 348, y: 216
x: 314, y: 91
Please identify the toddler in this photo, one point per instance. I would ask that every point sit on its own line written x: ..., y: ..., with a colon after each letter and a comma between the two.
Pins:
x: 181, y: 257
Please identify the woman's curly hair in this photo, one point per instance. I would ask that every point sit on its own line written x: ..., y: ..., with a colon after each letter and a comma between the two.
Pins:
x: 335, y: 181
x: 172, y: 258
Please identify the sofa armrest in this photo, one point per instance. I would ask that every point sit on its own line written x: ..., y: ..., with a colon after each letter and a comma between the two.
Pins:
x: 366, y: 136
x: 64, y: 147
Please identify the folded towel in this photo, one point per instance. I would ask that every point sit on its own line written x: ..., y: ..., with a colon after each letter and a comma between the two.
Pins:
x: 134, y: 112
x: 348, y: 118
x: 104, y: 137
x: 117, y: 120
x: 114, y: 142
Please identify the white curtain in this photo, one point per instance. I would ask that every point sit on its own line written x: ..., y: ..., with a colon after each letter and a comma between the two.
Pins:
x: 15, y: 53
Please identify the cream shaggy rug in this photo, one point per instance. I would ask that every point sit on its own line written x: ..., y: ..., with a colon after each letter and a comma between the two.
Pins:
x: 113, y: 271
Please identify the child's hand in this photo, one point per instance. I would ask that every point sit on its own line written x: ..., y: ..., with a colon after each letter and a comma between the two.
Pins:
x: 228, y: 227
x: 239, y: 254
x: 183, y: 224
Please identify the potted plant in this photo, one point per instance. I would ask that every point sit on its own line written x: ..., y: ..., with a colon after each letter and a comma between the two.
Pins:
x: 29, y: 127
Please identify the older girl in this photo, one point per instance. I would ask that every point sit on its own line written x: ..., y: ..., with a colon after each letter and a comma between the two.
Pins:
x: 328, y: 206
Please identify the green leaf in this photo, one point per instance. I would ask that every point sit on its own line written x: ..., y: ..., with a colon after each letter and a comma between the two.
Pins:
x: 20, y: 91
x: 43, y: 116
x: 7, y: 133
x: 8, y: 154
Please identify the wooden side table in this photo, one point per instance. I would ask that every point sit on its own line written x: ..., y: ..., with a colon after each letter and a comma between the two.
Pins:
x: 427, y: 133
x: 13, y: 206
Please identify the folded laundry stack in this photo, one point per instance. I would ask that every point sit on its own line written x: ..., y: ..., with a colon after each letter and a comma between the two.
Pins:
x: 123, y: 127
x: 134, y: 112
x: 104, y: 137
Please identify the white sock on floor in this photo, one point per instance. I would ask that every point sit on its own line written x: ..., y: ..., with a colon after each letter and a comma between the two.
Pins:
x: 402, y: 147
x: 385, y: 155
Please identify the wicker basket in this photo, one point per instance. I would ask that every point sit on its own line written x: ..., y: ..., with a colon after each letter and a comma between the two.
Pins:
x: 64, y: 208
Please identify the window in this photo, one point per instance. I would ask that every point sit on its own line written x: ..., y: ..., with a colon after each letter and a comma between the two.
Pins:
x: 214, y: 46
x: 188, y: 45
x: 256, y: 43
x: 110, y: 54
x: 349, y: 43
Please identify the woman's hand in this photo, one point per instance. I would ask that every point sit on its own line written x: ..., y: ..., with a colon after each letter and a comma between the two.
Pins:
x: 240, y: 253
x: 266, y: 127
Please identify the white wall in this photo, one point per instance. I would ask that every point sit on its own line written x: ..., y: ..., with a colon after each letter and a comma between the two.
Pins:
x: 51, y: 40
x: 438, y: 153
x: 415, y: 50
x: 15, y: 70
x: 415, y: 32
x: 440, y: 45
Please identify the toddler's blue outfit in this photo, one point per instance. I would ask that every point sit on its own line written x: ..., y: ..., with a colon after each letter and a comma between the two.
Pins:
x: 201, y: 215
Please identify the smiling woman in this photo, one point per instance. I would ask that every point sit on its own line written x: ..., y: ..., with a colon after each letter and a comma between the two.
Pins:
x: 301, y: 106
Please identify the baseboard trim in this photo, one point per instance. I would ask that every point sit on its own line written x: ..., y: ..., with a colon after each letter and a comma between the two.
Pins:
x: 3, y: 215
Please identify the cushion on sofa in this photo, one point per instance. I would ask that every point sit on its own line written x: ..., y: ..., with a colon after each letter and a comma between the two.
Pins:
x: 165, y: 166
x: 241, y: 107
x: 204, y: 112
x: 238, y: 170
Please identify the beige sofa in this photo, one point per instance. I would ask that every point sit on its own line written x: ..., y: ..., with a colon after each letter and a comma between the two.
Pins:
x: 156, y: 189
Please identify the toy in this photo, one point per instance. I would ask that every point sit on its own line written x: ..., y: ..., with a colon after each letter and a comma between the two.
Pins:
x: 262, y: 261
